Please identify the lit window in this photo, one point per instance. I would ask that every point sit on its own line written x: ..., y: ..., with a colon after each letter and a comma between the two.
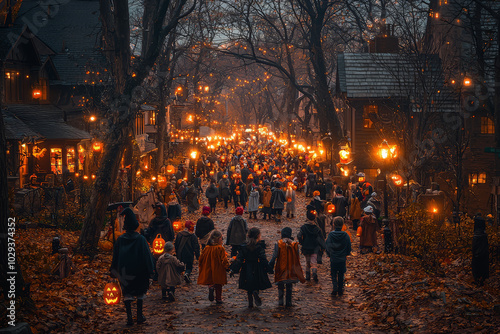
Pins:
x: 70, y: 159
x: 152, y: 118
x: 477, y: 178
x: 371, y: 108
x: 367, y: 123
x: 56, y: 160
x: 487, y: 126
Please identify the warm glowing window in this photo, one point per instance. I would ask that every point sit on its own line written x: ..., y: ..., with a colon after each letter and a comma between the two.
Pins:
x: 70, y: 159
x: 152, y: 118
x: 56, y: 160
x: 367, y: 123
x: 487, y: 126
x: 475, y: 178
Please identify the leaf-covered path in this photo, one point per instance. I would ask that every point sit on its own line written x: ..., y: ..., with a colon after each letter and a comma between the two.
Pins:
x: 314, y: 310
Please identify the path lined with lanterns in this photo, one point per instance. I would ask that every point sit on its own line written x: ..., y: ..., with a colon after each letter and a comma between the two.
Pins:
x: 267, y: 160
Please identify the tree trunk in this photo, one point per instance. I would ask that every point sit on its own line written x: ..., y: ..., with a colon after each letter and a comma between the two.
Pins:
x: 114, y: 147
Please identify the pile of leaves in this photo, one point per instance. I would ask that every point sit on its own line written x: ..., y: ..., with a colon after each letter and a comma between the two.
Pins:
x: 403, y: 295
x: 60, y: 302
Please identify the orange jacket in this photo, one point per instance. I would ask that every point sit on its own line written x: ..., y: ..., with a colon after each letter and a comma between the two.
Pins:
x: 213, y: 264
x: 287, y: 266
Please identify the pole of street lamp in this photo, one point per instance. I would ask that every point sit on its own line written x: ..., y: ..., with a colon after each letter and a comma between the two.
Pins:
x: 386, y: 209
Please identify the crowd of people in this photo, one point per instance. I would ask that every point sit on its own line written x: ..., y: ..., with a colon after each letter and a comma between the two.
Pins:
x: 261, y: 184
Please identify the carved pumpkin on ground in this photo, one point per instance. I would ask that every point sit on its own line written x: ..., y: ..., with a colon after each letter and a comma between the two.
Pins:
x: 112, y: 293
x: 158, y: 244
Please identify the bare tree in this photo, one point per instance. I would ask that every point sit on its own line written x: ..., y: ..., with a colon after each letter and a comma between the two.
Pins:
x: 128, y: 75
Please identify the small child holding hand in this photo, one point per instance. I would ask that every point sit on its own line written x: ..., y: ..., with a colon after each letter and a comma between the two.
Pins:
x: 169, y: 271
x: 213, y: 265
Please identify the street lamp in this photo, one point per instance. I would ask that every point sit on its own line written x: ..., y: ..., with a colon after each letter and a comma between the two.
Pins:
x: 387, y: 153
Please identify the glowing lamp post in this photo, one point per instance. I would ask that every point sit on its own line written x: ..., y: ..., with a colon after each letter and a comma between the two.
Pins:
x: 398, y: 182
x: 387, y: 154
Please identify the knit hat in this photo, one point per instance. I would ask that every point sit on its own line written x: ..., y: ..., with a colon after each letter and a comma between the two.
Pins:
x: 368, y: 209
x: 311, y: 213
x: 316, y: 193
x: 130, y: 223
x: 205, y: 211
x: 189, y: 225
x: 239, y: 210
x: 286, y: 232
x: 168, y: 247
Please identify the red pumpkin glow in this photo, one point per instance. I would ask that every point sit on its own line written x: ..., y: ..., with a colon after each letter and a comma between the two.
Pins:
x: 112, y: 293
x: 330, y: 208
x: 158, y: 244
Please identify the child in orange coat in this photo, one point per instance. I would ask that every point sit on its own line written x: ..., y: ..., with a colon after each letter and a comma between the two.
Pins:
x: 287, y: 269
x: 213, y: 265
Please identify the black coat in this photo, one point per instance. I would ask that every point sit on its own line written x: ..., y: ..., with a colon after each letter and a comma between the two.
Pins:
x: 160, y: 225
x: 253, y: 268
x: 132, y: 263
x: 311, y: 238
x: 190, y: 247
x: 480, y: 255
x: 203, y: 226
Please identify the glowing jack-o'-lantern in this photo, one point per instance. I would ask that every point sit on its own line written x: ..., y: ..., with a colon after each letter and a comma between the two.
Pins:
x: 330, y: 208
x: 211, y: 173
x: 238, y: 192
x: 112, y: 293
x: 289, y: 199
x: 397, y: 180
x: 170, y: 169
x: 162, y: 181
x: 158, y: 244
x: 178, y: 225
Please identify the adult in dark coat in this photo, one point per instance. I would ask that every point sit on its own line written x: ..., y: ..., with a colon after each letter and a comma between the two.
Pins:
x: 132, y: 265
x: 253, y: 267
x: 192, y: 199
x: 212, y: 193
x: 160, y: 225
x: 338, y: 247
x: 278, y: 200
x: 480, y: 251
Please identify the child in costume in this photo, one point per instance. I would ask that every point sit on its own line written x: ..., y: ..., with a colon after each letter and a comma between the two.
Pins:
x: 213, y: 265
x: 253, y: 267
x: 286, y: 263
x: 169, y: 271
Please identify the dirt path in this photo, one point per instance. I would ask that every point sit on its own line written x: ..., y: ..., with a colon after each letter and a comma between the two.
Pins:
x: 314, y: 310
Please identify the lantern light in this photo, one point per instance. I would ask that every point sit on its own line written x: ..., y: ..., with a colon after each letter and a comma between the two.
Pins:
x: 92, y: 118
x: 158, y: 244
x: 193, y: 154
x: 467, y: 81
x: 97, y: 146
x: 37, y: 93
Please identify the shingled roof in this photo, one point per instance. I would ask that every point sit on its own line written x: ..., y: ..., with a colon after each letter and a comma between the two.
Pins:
x: 71, y: 29
x: 390, y: 75
x: 43, y: 120
x: 15, y: 129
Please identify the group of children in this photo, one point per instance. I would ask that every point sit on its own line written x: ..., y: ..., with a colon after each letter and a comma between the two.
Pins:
x: 250, y: 262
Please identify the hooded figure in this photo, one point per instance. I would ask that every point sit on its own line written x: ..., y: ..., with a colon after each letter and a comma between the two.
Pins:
x: 253, y: 202
x: 192, y: 199
x: 311, y: 239
x: 237, y: 231
x: 132, y: 265
x: 160, y: 225
x: 480, y: 251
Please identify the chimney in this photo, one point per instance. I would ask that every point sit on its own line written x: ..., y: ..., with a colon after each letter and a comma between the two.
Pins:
x: 385, y: 42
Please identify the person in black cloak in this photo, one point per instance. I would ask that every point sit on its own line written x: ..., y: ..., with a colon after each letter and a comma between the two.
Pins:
x: 132, y: 265
x: 480, y: 251
x: 160, y: 225
x: 252, y: 264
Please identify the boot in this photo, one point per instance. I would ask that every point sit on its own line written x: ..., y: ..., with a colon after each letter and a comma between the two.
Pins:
x: 140, y: 317
x: 256, y: 296
x: 288, y: 296
x: 292, y: 215
x: 163, y: 294
x: 308, y: 275
x: 315, y: 275
x: 281, y: 294
x: 250, y: 299
x: 128, y: 308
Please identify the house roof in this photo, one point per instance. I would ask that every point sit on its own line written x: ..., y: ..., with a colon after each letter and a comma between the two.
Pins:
x: 389, y: 75
x: 15, y: 129
x: 71, y: 30
x: 44, y: 120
